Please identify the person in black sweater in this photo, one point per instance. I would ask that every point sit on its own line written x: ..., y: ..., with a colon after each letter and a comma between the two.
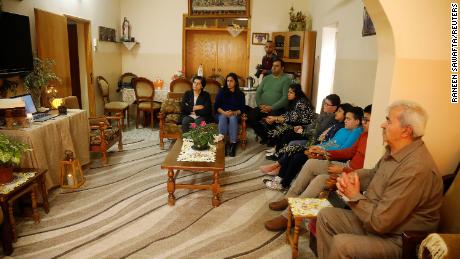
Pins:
x: 229, y: 105
x: 196, y: 105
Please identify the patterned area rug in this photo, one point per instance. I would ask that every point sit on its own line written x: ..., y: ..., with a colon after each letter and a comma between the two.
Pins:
x: 121, y: 211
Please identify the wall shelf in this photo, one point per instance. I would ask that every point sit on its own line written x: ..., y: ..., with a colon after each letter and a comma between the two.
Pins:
x: 129, y: 44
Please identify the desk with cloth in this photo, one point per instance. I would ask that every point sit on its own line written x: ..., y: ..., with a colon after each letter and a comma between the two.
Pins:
x: 48, y: 141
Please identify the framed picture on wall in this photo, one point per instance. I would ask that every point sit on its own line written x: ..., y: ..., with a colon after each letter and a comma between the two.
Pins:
x: 259, y: 38
x: 238, y: 8
x: 368, y: 26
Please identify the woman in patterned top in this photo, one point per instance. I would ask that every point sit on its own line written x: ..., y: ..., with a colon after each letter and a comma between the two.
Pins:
x: 299, y: 111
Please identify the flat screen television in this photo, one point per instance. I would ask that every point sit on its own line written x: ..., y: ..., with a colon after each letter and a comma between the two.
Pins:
x: 15, y: 44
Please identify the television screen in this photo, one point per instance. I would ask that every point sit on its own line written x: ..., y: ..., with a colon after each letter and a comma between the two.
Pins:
x: 15, y: 45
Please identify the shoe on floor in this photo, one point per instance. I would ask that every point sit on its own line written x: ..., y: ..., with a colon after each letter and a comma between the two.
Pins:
x: 271, y: 150
x: 276, y: 224
x: 268, y: 168
x: 273, y: 157
x: 278, y: 205
x: 274, y: 185
x: 274, y: 172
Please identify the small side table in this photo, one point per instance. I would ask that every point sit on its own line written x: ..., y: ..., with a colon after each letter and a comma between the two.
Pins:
x: 300, y: 209
x: 25, y: 181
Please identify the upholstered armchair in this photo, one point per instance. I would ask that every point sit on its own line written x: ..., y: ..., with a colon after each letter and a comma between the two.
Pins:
x: 112, y: 106
x: 180, y: 85
x: 450, y: 215
x: 103, y: 135
x: 169, y: 117
x: 212, y: 86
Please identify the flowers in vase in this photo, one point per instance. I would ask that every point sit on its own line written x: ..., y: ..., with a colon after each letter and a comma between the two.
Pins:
x: 201, y: 134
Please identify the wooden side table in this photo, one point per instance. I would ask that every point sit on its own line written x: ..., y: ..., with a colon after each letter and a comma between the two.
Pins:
x: 25, y: 181
x: 300, y: 209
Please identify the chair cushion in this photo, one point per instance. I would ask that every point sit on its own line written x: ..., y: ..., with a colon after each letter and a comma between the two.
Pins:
x: 171, y: 128
x: 170, y: 106
x: 110, y: 134
x: 172, y: 118
x: 146, y: 105
x: 116, y: 105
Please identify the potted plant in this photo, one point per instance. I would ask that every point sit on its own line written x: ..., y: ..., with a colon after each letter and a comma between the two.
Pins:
x: 201, y: 135
x: 39, y: 78
x: 299, y: 21
x: 10, y: 156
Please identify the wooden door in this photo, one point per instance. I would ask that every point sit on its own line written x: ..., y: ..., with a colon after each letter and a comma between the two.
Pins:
x: 52, y: 42
x: 201, y: 48
x: 232, y: 54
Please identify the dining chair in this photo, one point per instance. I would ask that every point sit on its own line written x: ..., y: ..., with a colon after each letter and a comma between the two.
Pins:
x: 112, y: 106
x: 180, y: 85
x: 145, y: 92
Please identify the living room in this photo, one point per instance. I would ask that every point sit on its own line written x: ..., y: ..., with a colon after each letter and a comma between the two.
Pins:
x: 397, y: 63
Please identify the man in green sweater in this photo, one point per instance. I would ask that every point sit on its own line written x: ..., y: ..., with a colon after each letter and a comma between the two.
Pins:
x: 271, y: 99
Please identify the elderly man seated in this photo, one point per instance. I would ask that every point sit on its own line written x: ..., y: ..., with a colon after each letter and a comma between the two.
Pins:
x: 404, y: 193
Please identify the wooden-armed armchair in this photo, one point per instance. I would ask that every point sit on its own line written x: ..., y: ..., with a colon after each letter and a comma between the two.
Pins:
x: 103, y: 135
x: 112, y: 106
x: 180, y: 85
x: 145, y: 92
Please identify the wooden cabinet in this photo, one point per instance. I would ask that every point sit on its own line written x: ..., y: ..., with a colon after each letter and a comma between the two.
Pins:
x: 209, y: 43
x: 297, y: 49
x: 289, y: 45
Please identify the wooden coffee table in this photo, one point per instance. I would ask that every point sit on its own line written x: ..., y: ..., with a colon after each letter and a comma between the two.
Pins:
x: 216, y: 168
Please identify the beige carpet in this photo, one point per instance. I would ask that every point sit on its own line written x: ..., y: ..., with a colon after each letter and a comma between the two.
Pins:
x: 121, y: 212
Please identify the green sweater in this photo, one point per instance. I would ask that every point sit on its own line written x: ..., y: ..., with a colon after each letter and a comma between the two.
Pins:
x: 273, y: 91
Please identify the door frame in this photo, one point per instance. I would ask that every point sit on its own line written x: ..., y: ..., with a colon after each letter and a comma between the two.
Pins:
x: 89, y: 61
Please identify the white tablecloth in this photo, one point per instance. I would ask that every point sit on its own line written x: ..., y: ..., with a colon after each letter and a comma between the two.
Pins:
x: 250, y: 96
x: 129, y: 96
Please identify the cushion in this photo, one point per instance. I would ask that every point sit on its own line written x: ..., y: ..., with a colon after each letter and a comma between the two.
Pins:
x: 146, y: 105
x: 116, y: 105
x: 170, y: 106
x: 172, y: 118
x: 95, y: 135
x: 171, y: 128
x: 97, y: 120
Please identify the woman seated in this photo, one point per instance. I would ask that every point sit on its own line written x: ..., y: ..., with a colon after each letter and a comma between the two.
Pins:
x: 229, y: 105
x: 344, y: 138
x: 196, y: 105
x: 299, y: 112
x: 306, y: 131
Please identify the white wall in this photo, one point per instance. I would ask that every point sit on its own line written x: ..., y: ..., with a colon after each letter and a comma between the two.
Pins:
x: 356, y: 55
x: 157, y: 25
x: 107, y: 60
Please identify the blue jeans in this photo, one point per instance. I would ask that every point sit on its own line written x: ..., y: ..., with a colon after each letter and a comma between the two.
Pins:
x: 228, y: 125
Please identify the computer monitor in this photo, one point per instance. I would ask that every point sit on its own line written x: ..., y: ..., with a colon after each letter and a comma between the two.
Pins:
x: 28, y: 102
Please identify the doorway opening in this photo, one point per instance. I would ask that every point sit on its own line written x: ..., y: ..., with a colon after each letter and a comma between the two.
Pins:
x: 327, y: 64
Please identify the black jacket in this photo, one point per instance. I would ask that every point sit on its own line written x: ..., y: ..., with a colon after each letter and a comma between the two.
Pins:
x: 203, y: 99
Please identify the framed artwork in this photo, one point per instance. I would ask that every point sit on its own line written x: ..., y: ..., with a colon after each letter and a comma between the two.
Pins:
x: 259, y: 38
x: 368, y: 26
x: 106, y: 34
x: 231, y: 8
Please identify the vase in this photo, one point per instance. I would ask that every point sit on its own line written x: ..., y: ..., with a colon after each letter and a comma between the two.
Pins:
x: 296, y: 26
x: 200, y: 145
x: 6, y: 174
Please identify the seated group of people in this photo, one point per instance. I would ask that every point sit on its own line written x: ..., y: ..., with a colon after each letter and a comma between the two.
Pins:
x: 228, y: 106
x: 403, y: 192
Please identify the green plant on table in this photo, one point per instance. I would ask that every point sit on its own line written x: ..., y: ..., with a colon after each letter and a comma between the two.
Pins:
x: 39, y: 78
x: 201, y: 134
